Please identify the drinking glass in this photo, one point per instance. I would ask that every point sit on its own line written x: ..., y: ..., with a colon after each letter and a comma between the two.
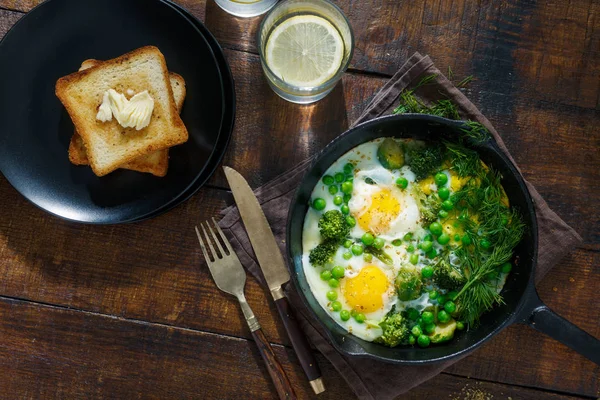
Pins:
x: 246, y: 8
x: 286, y: 10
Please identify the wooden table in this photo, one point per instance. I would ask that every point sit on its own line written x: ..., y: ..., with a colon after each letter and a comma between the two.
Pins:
x: 130, y: 311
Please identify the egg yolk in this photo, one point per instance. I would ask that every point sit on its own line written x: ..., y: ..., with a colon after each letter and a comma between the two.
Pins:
x: 364, y: 292
x: 383, y: 210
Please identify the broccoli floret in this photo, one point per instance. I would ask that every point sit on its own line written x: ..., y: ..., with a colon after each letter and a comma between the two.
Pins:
x: 408, y: 283
x: 429, y: 205
x: 423, y: 161
x: 333, y: 226
x: 447, y: 276
x: 395, y: 329
x: 323, y: 253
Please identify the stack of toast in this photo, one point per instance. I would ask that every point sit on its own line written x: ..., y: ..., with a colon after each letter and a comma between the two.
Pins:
x: 107, y: 146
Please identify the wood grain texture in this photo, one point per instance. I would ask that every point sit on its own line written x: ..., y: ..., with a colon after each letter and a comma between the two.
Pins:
x: 48, y: 352
x: 536, y: 68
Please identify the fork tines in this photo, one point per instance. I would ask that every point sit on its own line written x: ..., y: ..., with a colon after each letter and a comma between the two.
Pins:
x: 205, y: 240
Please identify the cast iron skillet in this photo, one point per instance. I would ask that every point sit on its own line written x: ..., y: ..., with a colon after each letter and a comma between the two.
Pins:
x: 522, y: 304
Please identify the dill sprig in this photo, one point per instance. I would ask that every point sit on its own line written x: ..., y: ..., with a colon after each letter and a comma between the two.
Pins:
x: 500, y: 225
x: 465, y: 162
x: 474, y: 132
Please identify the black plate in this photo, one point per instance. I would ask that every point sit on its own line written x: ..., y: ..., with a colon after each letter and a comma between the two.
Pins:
x: 228, y: 116
x: 521, y: 302
x: 52, y: 41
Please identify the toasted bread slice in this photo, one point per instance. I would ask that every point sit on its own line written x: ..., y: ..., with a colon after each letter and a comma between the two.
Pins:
x: 108, y: 144
x: 155, y: 163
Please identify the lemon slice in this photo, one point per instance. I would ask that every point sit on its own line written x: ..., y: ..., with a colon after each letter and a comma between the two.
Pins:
x: 305, y: 51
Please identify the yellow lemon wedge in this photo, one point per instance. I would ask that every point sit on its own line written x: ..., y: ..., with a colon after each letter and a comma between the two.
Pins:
x: 305, y: 51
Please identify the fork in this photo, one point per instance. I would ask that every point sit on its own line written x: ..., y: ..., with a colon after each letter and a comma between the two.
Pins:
x: 229, y: 276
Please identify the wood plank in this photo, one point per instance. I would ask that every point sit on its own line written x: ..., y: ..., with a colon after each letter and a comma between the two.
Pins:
x: 547, y: 50
x: 152, y: 271
x: 49, y: 352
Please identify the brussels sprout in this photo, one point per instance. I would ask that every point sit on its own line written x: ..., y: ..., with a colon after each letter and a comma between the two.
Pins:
x: 408, y: 283
x: 390, y: 154
x: 443, y: 332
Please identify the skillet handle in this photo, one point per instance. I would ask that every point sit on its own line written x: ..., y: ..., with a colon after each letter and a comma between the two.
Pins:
x: 537, y: 315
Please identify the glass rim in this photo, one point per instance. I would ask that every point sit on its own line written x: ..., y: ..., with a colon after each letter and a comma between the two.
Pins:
x: 328, y: 82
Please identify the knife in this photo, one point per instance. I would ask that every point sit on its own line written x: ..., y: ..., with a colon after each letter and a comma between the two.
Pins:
x: 274, y: 270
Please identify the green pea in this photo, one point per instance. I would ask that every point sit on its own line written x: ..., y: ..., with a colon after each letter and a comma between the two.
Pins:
x: 427, y: 272
x: 412, y: 314
x: 433, y: 295
x: 347, y: 187
x: 338, y: 200
x: 426, y: 245
x: 333, y: 283
x: 460, y: 325
x: 443, y: 214
x: 440, y: 179
x: 441, y: 299
x: 447, y: 205
x: 402, y: 183
x: 331, y: 295
x: 357, y: 249
x: 421, y: 323
x: 319, y: 204
x: 423, y: 341
x: 349, y: 169
x: 396, y: 242
x: 378, y: 243
x: 360, y: 318
x: 339, y: 177
x: 416, y: 331
x: 347, y: 197
x: 345, y: 209
x: 457, y: 237
x: 333, y: 189
x: 328, y: 180
x: 452, y: 295
x: 350, y: 221
x: 431, y: 253
x: 338, y: 272
x: 444, y: 193
x: 427, y: 316
x: 485, y: 244
x: 491, y: 276
x: 344, y: 315
x: 368, y: 257
x: 429, y: 328
x: 428, y: 237
x: 506, y: 267
x: 347, y: 255
x: 414, y: 259
x: 466, y: 240
x: 347, y: 243
x: 336, y: 306
x: 367, y: 239
x: 408, y: 237
x: 326, y: 275
x: 443, y: 239
x: 436, y: 228
x: 443, y: 316
x: 450, y: 307
x: 412, y: 340
x: 353, y: 313
x: 410, y: 248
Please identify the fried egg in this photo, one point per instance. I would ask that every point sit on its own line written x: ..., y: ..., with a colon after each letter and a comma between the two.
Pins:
x: 380, y: 207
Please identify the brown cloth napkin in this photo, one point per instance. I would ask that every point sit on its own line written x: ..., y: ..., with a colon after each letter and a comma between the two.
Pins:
x: 371, y: 379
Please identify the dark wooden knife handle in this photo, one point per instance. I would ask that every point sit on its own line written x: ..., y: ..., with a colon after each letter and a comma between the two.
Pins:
x: 299, y: 342
x: 278, y: 376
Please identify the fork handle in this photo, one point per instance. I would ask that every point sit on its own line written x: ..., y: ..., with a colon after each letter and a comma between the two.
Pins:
x: 278, y: 376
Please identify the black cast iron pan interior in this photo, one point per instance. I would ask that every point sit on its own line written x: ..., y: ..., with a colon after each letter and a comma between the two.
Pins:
x: 521, y: 303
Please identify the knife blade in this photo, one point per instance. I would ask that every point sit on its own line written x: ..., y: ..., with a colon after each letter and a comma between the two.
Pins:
x: 274, y: 270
